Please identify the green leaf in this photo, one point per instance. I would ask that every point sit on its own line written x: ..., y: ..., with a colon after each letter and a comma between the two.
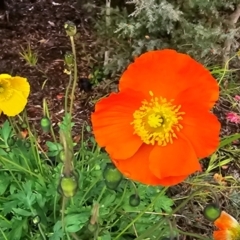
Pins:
x: 58, y: 233
x: 108, y: 200
x: 54, y: 146
x: 9, y: 205
x: 22, y: 212
x: 2, y: 152
x: 229, y: 139
x: 74, y: 222
x: 17, y: 229
x: 6, y: 131
x: 106, y: 236
x: 163, y: 204
x: 4, y: 182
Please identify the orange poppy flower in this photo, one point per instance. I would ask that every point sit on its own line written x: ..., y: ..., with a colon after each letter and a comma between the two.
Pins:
x: 159, y: 124
x: 228, y: 228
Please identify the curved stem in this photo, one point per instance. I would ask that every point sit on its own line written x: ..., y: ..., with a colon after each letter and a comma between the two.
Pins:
x: 75, y: 74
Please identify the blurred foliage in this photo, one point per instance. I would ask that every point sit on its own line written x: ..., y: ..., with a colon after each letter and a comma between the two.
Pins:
x: 196, y: 27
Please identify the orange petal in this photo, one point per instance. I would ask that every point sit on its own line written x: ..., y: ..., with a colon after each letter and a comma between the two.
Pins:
x: 222, y: 235
x: 167, y: 73
x: 226, y: 221
x: 112, y: 123
x: 201, y: 128
x: 137, y: 167
x: 173, y: 160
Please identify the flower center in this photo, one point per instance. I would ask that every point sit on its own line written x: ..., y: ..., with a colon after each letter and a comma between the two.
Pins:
x: 5, y: 89
x: 157, y: 121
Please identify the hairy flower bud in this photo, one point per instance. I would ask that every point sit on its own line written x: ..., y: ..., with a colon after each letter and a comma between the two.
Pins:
x: 70, y: 28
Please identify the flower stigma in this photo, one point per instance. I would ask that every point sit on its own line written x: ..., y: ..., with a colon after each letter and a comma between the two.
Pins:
x: 5, y: 89
x: 157, y: 121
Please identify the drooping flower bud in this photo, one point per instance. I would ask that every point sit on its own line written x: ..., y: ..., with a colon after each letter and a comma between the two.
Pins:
x: 111, y: 176
x: 92, y: 227
x: 134, y: 200
x: 211, y: 212
x: 69, y: 59
x: 45, y: 124
x: 68, y: 185
x: 11, y: 141
x: 36, y: 220
x: 70, y: 28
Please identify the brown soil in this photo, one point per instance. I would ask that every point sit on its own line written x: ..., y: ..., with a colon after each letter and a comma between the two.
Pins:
x: 41, y: 24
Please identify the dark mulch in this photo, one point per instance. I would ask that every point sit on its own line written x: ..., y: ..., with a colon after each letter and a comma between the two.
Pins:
x: 41, y: 24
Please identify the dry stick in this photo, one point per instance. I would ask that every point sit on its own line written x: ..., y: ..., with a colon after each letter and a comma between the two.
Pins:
x: 108, y: 22
x: 228, y: 42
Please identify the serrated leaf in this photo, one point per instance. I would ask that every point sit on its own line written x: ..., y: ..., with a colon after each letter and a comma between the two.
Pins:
x: 58, y: 233
x: 163, y: 204
x: 8, y: 206
x: 17, y: 229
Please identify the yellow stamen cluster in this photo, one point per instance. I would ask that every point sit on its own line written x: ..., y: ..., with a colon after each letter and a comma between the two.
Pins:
x: 5, y: 89
x: 157, y: 120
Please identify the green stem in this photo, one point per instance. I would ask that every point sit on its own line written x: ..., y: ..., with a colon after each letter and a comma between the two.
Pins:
x: 41, y: 232
x: 192, y: 235
x: 46, y: 112
x: 19, y: 167
x: 75, y: 73
x: 88, y: 190
x: 5, y: 237
x: 225, y: 69
x: 67, y: 92
x: 101, y: 194
x: 185, y: 201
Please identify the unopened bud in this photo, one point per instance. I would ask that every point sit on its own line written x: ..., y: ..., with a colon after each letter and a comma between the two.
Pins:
x: 134, y: 200
x: 68, y: 186
x: 36, y: 220
x: 69, y: 59
x: 111, y: 176
x: 70, y: 28
x: 212, y: 212
x: 45, y: 124
x: 92, y: 227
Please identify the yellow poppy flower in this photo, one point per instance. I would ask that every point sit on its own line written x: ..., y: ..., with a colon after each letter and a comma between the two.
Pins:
x: 14, y: 92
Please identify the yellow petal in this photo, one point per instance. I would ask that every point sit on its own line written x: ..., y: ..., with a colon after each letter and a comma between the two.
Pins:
x: 4, y: 75
x: 21, y: 85
x: 14, y: 105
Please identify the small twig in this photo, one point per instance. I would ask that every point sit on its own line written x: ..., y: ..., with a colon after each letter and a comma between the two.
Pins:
x: 108, y: 23
x: 228, y: 42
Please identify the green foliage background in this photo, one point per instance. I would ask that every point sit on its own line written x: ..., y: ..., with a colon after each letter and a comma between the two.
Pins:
x: 196, y: 27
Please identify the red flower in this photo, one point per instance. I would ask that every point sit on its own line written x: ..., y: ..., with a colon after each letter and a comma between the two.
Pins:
x: 159, y: 124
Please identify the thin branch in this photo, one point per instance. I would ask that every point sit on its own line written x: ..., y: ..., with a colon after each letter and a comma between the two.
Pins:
x: 228, y: 42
